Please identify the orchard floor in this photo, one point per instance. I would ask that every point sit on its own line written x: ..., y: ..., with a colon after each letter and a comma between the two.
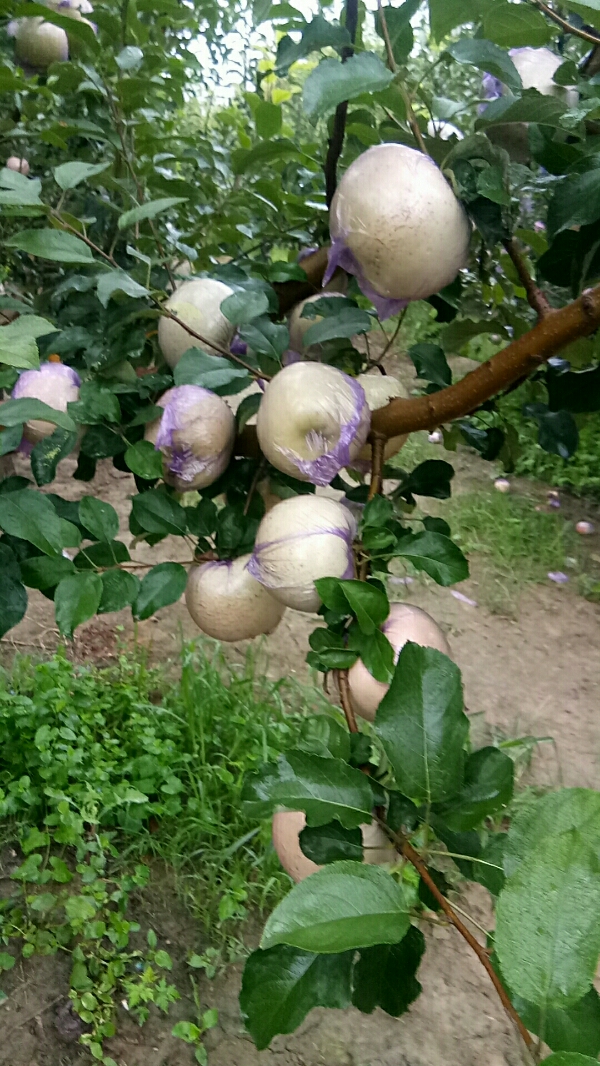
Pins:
x: 535, y: 673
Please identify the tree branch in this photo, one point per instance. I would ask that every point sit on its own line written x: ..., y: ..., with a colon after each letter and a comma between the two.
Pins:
x: 344, y: 689
x: 535, y: 297
x: 564, y: 24
x: 553, y: 333
x: 405, y: 848
x: 410, y: 115
x: 292, y: 292
x: 336, y: 141
x: 549, y: 336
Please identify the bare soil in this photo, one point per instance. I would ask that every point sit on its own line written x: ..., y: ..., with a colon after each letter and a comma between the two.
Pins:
x: 534, y: 675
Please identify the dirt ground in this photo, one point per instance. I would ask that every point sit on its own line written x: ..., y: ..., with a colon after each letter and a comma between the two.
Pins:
x: 534, y: 675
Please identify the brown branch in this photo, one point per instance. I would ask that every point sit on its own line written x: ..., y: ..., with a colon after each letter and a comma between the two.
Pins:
x: 549, y: 336
x: 564, y: 24
x: 410, y: 115
x: 344, y: 690
x: 405, y: 848
x: 377, y: 459
x: 535, y: 297
x: 291, y: 292
x: 335, y: 143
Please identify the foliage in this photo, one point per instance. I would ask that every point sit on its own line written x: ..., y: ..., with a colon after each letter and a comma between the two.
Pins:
x: 95, y: 764
x: 131, y: 184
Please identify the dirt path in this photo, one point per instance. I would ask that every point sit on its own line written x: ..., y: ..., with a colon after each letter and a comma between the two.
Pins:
x: 536, y: 675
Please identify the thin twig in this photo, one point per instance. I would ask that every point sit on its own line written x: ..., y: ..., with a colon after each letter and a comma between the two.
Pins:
x: 566, y: 26
x: 390, y: 339
x: 344, y: 689
x: 166, y: 313
x: 86, y: 240
x: 535, y: 297
x: 406, y: 849
x: 252, y: 490
x: 336, y: 141
x: 410, y: 115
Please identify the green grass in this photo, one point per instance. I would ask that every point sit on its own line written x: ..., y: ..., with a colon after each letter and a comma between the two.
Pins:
x: 107, y: 775
x: 160, y: 764
x: 515, y: 544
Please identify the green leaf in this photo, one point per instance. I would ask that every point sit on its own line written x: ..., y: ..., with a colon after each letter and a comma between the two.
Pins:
x: 45, y: 572
x: 385, y: 975
x: 272, y: 152
x: 13, y: 601
x: 576, y: 202
x: 6, y: 961
x: 69, y: 175
x: 96, y: 404
x: 489, y: 58
x: 76, y: 600
x: 376, y: 653
x: 129, y: 58
x: 348, y: 322
x: 557, y: 430
x: 163, y: 584
x: 430, y: 364
x: 119, y: 590
x: 422, y: 726
x: 101, y: 554
x: 569, y: 1058
x: 547, y: 931
x: 80, y: 908
x: 51, y: 244
x: 531, y: 106
x: 332, y: 82
x: 30, y: 516
x: 113, y: 281
x: 323, y: 788
x: 322, y: 735
x: 575, y: 1029
x: 15, y: 412
x: 431, y: 478
x: 268, y: 120
x: 445, y: 15
x: 331, y: 843
x: 149, y: 210
x: 158, y: 513
x: 280, y: 986
x: 487, y: 788
x: 437, y: 555
x: 144, y: 460
x: 368, y: 603
x: 99, y: 518
x: 248, y: 407
x: 550, y: 815
x: 489, y: 872
x: 266, y: 338
x: 344, y: 906
x: 245, y: 305
x: 319, y: 33
x: 101, y: 442
x: 210, y: 371
x: 10, y: 439
x: 47, y: 454
x: 186, y: 1031
x: 399, y: 30
x: 16, y: 190
x: 516, y: 26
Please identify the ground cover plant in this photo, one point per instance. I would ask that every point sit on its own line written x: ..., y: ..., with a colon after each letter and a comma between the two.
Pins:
x: 105, y: 775
x: 443, y: 153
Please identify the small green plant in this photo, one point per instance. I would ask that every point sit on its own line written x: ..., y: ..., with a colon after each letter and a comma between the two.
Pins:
x: 95, y: 764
